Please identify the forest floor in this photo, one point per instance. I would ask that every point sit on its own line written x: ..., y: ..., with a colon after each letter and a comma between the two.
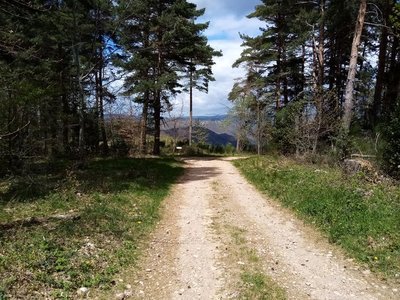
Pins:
x: 219, y: 238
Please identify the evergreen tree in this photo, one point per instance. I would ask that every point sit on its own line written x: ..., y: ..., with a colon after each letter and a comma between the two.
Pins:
x: 162, y: 42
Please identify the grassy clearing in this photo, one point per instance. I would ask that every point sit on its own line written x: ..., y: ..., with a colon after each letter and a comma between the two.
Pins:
x: 117, y: 202
x: 254, y: 283
x: 362, y: 217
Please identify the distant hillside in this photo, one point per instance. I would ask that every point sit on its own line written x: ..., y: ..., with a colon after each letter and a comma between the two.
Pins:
x: 218, y: 123
x: 200, y: 133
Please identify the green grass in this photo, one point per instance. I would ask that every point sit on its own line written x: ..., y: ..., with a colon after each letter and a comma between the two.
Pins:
x: 260, y: 287
x: 118, y: 202
x: 254, y: 283
x: 360, y: 216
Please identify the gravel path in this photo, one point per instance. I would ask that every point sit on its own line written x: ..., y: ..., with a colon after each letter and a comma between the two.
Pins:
x: 192, y: 255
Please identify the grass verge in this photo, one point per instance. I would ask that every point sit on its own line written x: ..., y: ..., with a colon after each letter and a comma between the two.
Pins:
x: 254, y: 283
x: 360, y: 216
x: 116, y: 202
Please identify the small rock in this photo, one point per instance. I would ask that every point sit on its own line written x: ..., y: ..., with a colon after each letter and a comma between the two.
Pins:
x: 308, y: 284
x: 120, y: 296
x: 181, y: 291
x: 128, y: 287
x: 395, y: 290
x: 83, y: 291
x: 240, y: 263
x: 366, y: 272
x: 148, y: 270
x: 141, y: 293
x: 90, y: 245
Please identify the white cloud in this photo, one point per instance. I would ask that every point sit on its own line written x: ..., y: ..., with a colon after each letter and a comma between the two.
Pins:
x: 227, y: 18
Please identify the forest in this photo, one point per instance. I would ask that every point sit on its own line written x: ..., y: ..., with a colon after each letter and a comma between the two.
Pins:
x: 319, y: 74
x: 59, y: 60
x: 94, y: 204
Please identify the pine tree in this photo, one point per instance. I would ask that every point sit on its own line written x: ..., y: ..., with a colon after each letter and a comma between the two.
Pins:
x: 162, y: 41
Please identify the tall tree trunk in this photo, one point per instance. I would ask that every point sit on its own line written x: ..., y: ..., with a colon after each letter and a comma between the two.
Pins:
x: 319, y: 65
x: 375, y: 109
x: 285, y: 77
x: 143, y: 123
x: 146, y: 103
x: 321, y: 42
x: 80, y: 90
x: 64, y: 103
x: 190, y: 104
x: 303, y: 67
x: 157, y: 122
x: 393, y: 78
x: 238, y: 142
x: 348, y: 97
x: 258, y: 128
x: 96, y: 124
x: 158, y: 90
x: 279, y: 66
x: 102, y: 123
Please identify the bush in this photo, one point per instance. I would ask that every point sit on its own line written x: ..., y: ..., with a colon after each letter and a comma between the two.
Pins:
x: 120, y: 148
x: 229, y: 149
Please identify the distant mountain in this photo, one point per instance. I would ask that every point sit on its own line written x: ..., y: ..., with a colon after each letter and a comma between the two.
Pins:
x: 201, y: 133
x: 208, y: 118
x: 217, y: 123
x: 217, y: 131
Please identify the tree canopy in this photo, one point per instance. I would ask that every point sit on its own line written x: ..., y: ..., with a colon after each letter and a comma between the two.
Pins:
x: 60, y: 59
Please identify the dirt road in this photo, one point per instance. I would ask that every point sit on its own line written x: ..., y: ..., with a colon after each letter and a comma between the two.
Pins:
x: 216, y: 227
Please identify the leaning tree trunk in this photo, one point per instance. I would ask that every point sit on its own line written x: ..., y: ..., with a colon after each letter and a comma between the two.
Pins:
x: 348, y: 97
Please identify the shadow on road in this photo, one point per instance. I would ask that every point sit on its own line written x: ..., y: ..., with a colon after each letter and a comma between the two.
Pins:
x: 195, y: 169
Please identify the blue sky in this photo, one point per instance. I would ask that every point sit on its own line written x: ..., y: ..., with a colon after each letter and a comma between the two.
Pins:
x: 227, y: 18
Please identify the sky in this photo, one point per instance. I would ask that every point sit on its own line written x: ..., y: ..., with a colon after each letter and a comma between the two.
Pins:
x: 227, y: 18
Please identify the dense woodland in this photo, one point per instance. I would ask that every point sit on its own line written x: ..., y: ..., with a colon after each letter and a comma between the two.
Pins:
x: 319, y: 73
x: 60, y: 60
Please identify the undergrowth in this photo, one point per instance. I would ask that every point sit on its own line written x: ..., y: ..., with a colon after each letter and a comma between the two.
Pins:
x: 361, y: 216
x: 116, y: 202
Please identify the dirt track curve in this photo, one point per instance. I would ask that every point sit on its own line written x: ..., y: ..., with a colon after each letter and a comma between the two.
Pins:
x: 215, y: 223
